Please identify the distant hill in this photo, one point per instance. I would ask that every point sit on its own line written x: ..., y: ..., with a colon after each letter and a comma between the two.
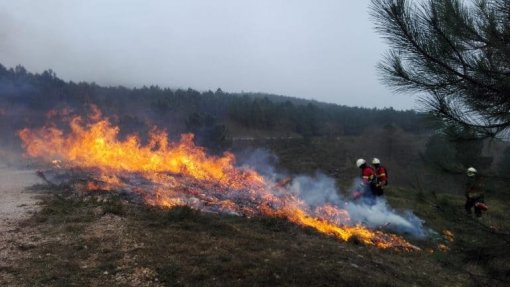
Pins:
x: 26, y: 98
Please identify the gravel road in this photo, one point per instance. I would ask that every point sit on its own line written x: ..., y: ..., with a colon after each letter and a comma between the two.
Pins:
x: 15, y: 202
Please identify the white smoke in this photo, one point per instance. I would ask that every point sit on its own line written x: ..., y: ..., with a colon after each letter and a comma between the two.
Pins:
x: 316, y: 190
x: 320, y: 189
x: 260, y: 160
x: 381, y: 215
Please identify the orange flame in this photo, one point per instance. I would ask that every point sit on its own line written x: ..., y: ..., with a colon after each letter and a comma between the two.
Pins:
x: 170, y: 174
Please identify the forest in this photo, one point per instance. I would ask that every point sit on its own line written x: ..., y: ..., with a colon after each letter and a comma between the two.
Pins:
x: 213, y: 116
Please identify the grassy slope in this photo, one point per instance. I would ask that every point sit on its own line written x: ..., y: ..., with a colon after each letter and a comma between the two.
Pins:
x: 103, y: 240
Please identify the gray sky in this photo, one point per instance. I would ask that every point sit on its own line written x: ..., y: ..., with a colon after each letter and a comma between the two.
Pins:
x: 322, y: 49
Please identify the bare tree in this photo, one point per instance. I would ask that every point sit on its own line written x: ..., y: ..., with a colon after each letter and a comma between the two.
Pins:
x: 457, y: 52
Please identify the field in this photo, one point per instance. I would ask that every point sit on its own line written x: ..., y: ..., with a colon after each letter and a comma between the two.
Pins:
x: 104, y: 239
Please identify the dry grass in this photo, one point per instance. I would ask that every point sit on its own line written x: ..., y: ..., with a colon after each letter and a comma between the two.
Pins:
x: 102, y: 240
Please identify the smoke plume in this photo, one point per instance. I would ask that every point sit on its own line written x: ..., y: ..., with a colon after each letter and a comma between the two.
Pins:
x: 319, y: 189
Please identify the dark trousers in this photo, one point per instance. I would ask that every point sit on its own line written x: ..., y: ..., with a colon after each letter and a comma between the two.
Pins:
x: 378, y: 191
x: 470, y: 203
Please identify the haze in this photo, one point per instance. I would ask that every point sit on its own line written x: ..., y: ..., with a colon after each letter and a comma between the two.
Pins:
x: 325, y: 50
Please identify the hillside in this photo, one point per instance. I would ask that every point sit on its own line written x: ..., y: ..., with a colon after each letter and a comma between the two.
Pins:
x: 122, y: 205
x: 104, y: 239
x: 214, y: 117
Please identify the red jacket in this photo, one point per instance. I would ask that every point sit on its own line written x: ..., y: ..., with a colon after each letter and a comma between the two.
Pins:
x: 382, y: 175
x: 367, y: 175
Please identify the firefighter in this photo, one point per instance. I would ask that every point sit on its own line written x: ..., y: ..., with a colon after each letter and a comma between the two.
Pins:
x: 365, y: 188
x: 381, y: 177
x: 474, y: 193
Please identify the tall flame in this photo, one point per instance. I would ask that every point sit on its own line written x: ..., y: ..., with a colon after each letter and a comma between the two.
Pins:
x: 168, y: 174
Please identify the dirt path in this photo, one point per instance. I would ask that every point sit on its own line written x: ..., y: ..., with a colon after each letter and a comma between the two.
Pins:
x: 15, y: 202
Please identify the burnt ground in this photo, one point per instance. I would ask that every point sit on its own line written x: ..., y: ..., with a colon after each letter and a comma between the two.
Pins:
x: 102, y: 239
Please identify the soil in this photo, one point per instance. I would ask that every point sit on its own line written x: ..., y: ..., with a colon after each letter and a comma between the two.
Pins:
x: 16, y: 205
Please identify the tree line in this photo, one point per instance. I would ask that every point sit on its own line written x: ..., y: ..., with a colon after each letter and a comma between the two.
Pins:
x: 35, y: 94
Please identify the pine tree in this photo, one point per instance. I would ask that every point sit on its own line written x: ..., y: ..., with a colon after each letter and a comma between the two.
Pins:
x: 457, y: 52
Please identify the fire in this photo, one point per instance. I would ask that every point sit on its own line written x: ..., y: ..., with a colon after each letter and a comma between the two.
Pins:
x: 448, y: 235
x: 169, y: 174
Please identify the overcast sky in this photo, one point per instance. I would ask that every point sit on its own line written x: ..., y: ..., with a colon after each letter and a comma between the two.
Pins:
x: 315, y: 49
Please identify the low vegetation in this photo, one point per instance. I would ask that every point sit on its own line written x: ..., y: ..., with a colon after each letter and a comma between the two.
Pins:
x: 103, y: 240
x: 106, y: 239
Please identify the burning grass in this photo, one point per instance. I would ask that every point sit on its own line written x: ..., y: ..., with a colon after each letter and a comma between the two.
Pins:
x: 99, y: 238
x: 102, y: 239
x: 169, y: 174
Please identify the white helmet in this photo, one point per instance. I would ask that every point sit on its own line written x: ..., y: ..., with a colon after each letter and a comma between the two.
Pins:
x: 471, y: 171
x: 360, y: 162
x: 376, y: 161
